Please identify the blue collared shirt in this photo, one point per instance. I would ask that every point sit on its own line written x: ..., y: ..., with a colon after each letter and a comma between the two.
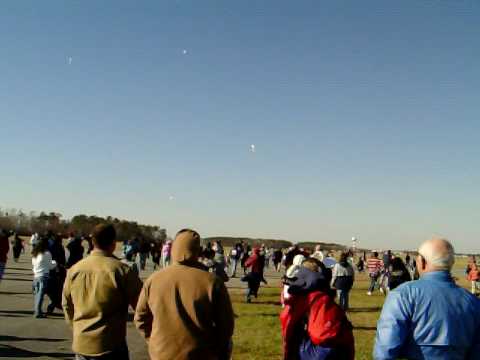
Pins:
x: 431, y: 318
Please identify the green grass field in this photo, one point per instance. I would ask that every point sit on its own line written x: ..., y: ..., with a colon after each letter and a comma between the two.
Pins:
x: 258, y: 335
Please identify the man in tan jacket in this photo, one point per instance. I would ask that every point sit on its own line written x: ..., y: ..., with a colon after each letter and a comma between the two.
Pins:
x: 96, y: 296
x: 184, y: 312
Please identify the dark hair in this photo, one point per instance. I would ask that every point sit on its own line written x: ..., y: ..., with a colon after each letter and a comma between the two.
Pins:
x: 195, y: 234
x: 375, y: 254
x: 398, y: 264
x: 103, y: 236
x: 40, y: 247
x: 343, y: 259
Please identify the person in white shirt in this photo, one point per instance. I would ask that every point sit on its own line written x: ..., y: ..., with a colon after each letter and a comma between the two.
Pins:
x: 34, y: 239
x: 318, y: 253
x: 42, y: 264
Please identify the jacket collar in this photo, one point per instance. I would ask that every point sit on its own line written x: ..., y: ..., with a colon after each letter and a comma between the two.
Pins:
x: 438, y: 276
x: 97, y: 252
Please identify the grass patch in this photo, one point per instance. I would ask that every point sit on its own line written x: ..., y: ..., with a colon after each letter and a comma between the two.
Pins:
x: 257, y: 327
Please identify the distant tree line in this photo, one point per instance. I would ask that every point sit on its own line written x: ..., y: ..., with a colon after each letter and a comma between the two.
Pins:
x: 231, y: 241
x: 26, y: 224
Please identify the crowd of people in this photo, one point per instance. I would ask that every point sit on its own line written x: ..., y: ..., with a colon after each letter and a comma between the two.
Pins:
x: 184, y: 310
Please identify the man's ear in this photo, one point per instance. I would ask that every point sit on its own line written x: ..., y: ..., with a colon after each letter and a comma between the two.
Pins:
x: 424, y: 262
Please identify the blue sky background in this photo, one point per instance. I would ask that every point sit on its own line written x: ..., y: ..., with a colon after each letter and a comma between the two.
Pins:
x: 365, y: 116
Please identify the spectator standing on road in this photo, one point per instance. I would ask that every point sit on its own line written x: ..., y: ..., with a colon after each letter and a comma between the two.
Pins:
x: 34, y: 239
x: 42, y: 264
x: 57, y: 275
x: 184, y: 312
x: 75, y: 249
x: 17, y: 247
x: 166, y: 253
x: 431, y: 318
x: 156, y: 253
x: 374, y: 267
x: 97, y: 293
x: 343, y: 277
x: 4, y: 249
x: 473, y: 274
x: 235, y: 256
x: 144, y: 250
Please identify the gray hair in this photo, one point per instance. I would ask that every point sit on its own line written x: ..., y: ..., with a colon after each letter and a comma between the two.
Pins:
x: 439, y: 253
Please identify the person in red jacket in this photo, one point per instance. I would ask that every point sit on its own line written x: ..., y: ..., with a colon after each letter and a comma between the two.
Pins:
x: 257, y: 263
x: 4, y: 249
x: 313, y: 325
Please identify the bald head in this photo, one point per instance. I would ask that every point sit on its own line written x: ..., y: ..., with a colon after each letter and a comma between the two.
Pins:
x: 438, y: 254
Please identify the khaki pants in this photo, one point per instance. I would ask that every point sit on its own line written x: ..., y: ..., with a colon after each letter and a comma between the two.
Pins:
x: 475, y: 287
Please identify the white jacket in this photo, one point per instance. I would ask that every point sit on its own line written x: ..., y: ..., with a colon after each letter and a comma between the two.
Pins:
x: 42, y: 264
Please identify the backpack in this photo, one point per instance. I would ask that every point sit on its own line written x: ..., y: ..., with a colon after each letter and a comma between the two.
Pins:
x: 328, y: 333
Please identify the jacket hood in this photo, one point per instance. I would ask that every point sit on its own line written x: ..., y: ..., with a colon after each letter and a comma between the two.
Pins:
x: 186, y: 247
x: 307, y: 281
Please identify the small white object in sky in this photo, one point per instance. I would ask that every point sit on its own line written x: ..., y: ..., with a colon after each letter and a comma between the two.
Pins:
x: 171, y: 198
x: 184, y: 52
x: 70, y: 59
x: 252, y: 148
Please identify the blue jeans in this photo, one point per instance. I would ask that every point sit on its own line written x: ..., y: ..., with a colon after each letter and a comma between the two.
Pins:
x: 234, y: 264
x: 39, y: 290
x: 118, y: 354
x: 2, y: 269
x: 373, y: 282
x: 143, y: 260
x: 343, y: 298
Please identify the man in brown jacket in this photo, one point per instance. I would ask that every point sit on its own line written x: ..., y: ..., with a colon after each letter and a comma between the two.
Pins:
x: 96, y: 295
x: 184, y: 312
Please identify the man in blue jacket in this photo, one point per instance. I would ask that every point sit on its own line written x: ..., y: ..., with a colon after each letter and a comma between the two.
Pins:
x: 431, y: 318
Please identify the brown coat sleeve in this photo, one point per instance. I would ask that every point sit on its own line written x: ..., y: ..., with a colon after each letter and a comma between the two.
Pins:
x: 143, y: 316
x: 223, y: 315
x: 67, y: 302
x: 133, y: 287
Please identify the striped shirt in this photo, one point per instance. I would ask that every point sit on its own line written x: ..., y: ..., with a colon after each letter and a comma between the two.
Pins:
x: 374, y: 265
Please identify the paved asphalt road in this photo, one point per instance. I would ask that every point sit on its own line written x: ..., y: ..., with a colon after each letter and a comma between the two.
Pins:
x: 23, y: 337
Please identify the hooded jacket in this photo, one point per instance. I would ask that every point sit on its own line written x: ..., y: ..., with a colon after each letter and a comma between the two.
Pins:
x: 256, y: 262
x: 312, y: 306
x: 184, y: 312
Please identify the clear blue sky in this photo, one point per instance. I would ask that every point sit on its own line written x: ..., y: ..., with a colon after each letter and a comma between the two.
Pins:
x: 365, y: 116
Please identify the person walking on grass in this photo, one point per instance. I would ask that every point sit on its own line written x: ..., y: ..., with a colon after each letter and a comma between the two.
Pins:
x: 431, y: 318
x: 374, y: 268
x: 253, y: 279
x: 184, y: 312
x: 313, y: 325
x: 343, y: 277
x: 473, y: 274
x: 96, y: 296
x: 42, y: 264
